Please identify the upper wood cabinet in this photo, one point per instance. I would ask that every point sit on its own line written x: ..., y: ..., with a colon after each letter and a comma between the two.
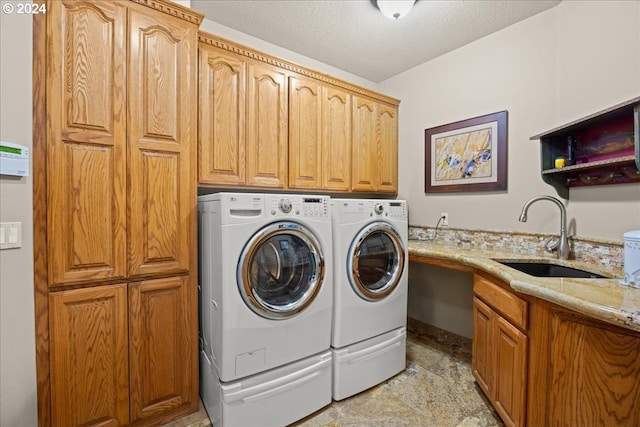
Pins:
x: 337, y: 122
x: 375, y: 146
x: 162, y: 128
x: 305, y: 133
x: 319, y: 135
x: 242, y: 121
x: 86, y: 144
x: 120, y: 90
x: 222, y: 113
x: 268, y: 123
x: 266, y: 153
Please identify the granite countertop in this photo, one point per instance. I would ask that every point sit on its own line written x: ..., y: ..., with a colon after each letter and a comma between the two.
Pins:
x: 603, y: 299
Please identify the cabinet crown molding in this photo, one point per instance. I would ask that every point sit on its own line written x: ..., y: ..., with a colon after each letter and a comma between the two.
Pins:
x: 239, y: 49
x: 173, y: 9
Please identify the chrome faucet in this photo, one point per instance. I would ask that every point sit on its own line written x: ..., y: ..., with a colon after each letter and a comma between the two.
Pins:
x: 553, y: 243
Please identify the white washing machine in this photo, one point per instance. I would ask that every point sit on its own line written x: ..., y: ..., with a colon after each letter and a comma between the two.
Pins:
x: 266, y: 283
x: 370, y: 252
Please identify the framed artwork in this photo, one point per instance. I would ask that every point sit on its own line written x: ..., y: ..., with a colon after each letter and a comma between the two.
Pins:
x: 469, y: 155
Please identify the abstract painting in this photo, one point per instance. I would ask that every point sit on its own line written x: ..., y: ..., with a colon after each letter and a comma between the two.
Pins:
x: 469, y: 155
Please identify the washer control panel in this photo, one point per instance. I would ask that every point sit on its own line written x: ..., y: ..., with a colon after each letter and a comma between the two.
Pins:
x: 397, y: 209
x: 305, y: 206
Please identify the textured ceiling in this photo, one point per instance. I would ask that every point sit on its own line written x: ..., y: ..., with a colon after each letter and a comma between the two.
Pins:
x: 352, y: 35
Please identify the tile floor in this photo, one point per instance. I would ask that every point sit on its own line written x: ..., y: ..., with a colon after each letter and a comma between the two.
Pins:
x: 436, y: 390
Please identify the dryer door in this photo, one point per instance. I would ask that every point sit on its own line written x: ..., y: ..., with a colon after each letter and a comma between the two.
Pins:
x: 281, y: 270
x: 376, y: 261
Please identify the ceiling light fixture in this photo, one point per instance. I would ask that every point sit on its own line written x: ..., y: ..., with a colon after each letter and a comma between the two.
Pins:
x: 394, y: 9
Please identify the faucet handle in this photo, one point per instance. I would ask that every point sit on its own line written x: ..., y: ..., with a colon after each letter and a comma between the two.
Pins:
x: 552, y: 243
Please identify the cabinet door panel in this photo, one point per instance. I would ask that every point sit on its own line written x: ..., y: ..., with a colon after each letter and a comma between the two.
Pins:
x: 305, y: 133
x: 86, y: 170
x: 161, y: 143
x: 365, y: 150
x: 266, y: 126
x: 387, y: 136
x: 482, y: 345
x: 89, y: 356
x: 510, y: 349
x: 163, y: 349
x: 222, y: 117
x: 593, y: 378
x: 336, y: 140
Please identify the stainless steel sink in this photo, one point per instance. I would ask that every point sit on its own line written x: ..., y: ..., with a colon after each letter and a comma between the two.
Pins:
x: 543, y: 269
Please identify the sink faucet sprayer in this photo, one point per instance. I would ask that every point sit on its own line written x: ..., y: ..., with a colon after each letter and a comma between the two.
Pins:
x: 561, y: 244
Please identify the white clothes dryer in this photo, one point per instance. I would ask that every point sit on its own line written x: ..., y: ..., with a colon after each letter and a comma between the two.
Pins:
x: 266, y: 284
x: 370, y: 292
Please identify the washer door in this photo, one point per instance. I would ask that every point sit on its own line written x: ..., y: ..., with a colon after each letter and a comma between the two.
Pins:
x: 376, y: 261
x: 281, y: 270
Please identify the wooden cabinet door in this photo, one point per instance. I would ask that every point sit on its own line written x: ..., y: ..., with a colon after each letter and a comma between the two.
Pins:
x: 86, y: 142
x: 336, y: 139
x: 266, y: 150
x: 510, y: 369
x: 482, y: 347
x: 387, y: 136
x: 365, y: 150
x: 163, y: 348
x: 593, y: 373
x: 305, y: 133
x: 89, y: 356
x: 162, y: 134
x: 221, y: 137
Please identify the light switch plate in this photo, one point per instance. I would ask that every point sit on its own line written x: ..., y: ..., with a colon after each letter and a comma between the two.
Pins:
x: 11, y: 235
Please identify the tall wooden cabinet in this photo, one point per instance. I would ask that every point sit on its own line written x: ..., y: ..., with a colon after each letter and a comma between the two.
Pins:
x: 268, y: 123
x: 114, y: 194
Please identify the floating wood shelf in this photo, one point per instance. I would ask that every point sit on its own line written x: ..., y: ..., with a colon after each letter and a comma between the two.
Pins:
x: 606, y: 145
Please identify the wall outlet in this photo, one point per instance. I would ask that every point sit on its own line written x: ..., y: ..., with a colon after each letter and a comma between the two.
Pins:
x: 445, y: 219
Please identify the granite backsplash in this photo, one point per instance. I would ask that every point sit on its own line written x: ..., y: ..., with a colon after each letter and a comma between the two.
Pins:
x: 607, y: 254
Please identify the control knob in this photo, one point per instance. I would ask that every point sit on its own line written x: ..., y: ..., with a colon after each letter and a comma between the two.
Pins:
x: 378, y: 208
x: 285, y: 205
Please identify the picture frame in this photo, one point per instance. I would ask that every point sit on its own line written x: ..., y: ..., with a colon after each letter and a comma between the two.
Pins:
x: 468, y: 155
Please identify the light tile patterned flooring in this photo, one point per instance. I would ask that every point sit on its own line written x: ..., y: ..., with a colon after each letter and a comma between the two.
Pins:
x: 436, y: 389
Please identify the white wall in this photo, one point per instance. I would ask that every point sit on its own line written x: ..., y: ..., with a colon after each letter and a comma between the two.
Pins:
x: 565, y: 63
x: 17, y: 329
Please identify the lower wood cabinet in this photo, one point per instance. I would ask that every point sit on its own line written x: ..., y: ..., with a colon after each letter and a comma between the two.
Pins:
x: 163, y: 362
x: 499, y: 354
x: 583, y: 372
x: 89, y: 356
x: 123, y: 354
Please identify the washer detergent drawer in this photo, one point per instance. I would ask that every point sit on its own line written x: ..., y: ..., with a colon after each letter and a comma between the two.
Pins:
x: 362, y: 365
x: 277, y: 397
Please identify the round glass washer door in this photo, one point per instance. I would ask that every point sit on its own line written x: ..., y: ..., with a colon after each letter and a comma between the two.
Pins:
x: 376, y: 261
x: 281, y: 270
